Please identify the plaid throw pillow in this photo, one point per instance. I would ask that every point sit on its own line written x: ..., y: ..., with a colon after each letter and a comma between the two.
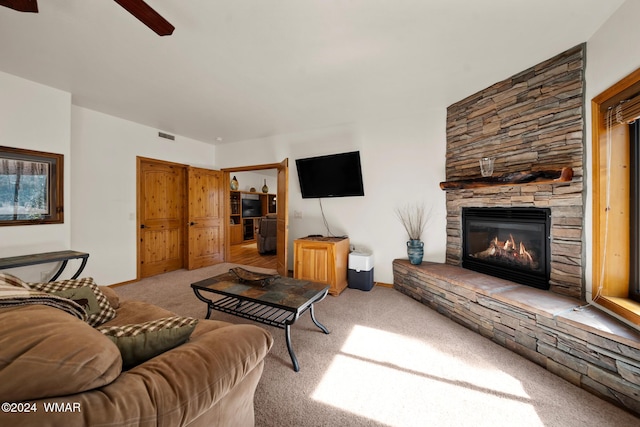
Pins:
x: 10, y: 279
x: 141, y: 342
x: 84, y: 292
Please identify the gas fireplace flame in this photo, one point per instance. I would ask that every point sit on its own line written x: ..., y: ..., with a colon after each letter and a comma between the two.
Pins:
x: 525, y: 255
x: 508, y: 251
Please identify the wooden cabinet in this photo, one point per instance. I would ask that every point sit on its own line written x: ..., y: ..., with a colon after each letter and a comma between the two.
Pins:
x: 271, y: 203
x: 249, y: 228
x: 235, y: 234
x: 234, y: 208
x: 322, y: 259
x: 243, y: 228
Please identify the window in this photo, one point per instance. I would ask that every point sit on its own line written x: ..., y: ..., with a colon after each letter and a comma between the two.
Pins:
x: 616, y: 198
x: 634, y: 250
x: 30, y: 187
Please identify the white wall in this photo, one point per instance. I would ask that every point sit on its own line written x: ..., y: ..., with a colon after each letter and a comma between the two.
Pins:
x: 35, y: 117
x: 104, y: 150
x: 613, y: 52
x: 256, y: 179
x: 403, y: 161
x: 99, y: 178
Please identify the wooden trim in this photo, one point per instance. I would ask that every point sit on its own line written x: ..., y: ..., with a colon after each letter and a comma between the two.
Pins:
x: 282, y: 209
x: 617, y: 91
x: 596, y: 249
x: 624, y: 307
x: 226, y: 183
x: 139, y: 161
x: 258, y: 193
x: 383, y: 285
x: 252, y: 168
x: 615, y: 285
x: 115, y: 285
x: 164, y: 162
x: 56, y: 189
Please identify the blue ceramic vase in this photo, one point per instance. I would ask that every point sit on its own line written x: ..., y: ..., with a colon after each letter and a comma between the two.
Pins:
x: 415, y: 251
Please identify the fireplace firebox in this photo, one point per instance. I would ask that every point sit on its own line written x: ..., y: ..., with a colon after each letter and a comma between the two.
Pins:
x: 510, y: 243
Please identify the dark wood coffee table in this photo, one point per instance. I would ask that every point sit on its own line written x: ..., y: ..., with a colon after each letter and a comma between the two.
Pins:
x: 278, y: 304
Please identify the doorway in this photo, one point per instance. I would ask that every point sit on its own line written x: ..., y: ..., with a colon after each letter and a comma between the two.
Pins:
x: 248, y: 204
x: 252, y: 224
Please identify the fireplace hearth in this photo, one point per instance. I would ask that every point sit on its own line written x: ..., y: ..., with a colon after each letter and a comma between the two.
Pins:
x: 510, y: 243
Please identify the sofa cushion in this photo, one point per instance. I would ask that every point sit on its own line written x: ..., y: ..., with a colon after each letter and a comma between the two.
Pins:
x: 133, y: 311
x: 101, y: 310
x: 45, y: 353
x: 111, y: 295
x: 140, y: 342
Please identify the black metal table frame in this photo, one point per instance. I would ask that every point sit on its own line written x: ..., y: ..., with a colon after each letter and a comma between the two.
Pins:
x: 261, y: 312
x: 47, y: 257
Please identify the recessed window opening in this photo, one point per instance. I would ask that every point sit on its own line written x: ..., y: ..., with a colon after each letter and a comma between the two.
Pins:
x: 616, y: 198
x: 634, y: 276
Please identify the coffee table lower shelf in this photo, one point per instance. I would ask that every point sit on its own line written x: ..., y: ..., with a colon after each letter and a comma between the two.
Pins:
x: 265, y: 314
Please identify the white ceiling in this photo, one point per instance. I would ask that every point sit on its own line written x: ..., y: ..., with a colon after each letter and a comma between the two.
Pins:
x: 242, y: 69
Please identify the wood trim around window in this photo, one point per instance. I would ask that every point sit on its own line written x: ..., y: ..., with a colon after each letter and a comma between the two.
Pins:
x: 610, y: 283
x: 54, y: 202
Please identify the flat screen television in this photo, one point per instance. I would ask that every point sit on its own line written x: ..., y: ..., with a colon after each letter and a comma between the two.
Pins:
x: 335, y: 175
x: 251, y: 207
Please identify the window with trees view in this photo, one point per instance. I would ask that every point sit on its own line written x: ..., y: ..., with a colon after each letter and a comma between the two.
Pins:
x: 30, y: 187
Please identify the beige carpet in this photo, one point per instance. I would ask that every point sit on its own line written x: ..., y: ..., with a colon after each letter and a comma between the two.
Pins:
x: 391, y: 361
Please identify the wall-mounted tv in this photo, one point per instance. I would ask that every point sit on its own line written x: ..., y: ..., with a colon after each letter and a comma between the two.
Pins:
x: 251, y: 208
x: 335, y: 175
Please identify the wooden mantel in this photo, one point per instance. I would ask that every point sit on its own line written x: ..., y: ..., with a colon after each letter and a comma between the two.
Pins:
x: 515, y: 178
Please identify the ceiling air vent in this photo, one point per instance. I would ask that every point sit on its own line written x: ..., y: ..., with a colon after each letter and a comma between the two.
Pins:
x: 166, y: 136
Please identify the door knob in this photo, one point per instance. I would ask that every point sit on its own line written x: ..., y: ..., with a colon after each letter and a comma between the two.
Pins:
x: 192, y: 223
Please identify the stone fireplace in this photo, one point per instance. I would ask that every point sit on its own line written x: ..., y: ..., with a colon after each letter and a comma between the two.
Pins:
x: 530, y: 122
x: 511, y: 243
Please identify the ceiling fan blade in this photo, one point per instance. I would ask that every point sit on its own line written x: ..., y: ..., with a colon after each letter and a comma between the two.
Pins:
x: 21, y: 5
x: 147, y: 16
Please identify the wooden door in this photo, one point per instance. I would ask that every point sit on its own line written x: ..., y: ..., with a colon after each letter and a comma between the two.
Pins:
x: 161, y: 217
x: 282, y: 226
x: 206, y: 214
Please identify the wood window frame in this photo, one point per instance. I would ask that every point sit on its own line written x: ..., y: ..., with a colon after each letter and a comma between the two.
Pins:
x: 54, y: 200
x: 611, y: 253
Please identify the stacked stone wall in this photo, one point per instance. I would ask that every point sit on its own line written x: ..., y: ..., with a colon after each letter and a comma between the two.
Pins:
x: 529, y: 122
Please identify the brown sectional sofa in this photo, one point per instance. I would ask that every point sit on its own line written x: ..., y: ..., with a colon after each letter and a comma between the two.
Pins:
x: 51, y: 359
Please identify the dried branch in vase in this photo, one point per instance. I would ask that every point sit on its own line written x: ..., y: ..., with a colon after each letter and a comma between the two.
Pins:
x: 414, y: 219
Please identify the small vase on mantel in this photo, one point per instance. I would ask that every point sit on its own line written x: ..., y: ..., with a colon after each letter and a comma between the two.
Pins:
x: 234, y: 184
x: 265, y: 189
x: 415, y: 251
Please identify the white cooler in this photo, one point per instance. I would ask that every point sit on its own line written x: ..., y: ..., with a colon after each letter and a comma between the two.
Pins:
x: 360, y: 273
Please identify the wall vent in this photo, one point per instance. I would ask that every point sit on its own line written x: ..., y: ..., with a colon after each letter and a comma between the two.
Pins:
x: 166, y: 136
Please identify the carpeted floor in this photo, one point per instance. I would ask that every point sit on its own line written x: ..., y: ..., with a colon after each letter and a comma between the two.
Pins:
x: 391, y: 361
